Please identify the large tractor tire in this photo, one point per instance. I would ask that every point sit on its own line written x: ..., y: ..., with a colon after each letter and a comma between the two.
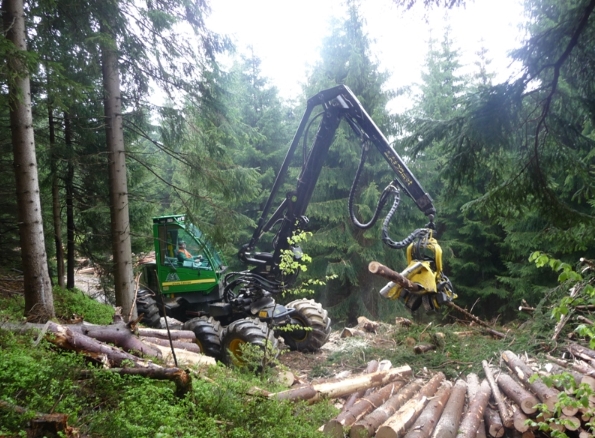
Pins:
x: 207, y: 331
x: 146, y: 304
x: 247, y: 331
x: 314, y: 318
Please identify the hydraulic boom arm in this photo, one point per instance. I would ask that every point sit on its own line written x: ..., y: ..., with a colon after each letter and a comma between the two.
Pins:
x: 338, y: 103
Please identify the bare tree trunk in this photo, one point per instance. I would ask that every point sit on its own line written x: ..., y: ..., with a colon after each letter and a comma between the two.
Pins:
x: 502, y: 407
x: 547, y: 395
x: 120, y: 220
x: 474, y: 415
x: 57, y: 220
x: 518, y: 394
x: 362, y: 407
x: 368, y: 425
x: 451, y: 417
x: 39, y: 300
x: 423, y: 426
x: 69, y: 183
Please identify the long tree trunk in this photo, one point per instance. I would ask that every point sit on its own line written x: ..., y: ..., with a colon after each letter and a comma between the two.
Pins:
x: 120, y: 220
x: 69, y: 183
x: 57, y: 219
x: 39, y: 300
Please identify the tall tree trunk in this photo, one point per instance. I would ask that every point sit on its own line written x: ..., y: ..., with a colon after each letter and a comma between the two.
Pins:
x: 56, y: 198
x: 120, y: 221
x: 39, y: 300
x: 69, y: 183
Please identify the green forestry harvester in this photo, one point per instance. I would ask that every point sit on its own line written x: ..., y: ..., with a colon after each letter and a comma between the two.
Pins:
x: 227, y: 310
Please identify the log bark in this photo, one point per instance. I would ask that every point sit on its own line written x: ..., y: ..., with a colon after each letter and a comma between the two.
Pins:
x: 65, y: 338
x: 451, y: 417
x: 493, y: 422
x: 425, y: 423
x: 547, y: 395
x: 396, y: 425
x: 501, y: 404
x: 345, y: 387
x: 362, y: 407
x: 180, y: 377
x: 372, y: 367
x: 366, y: 426
x: 188, y: 346
x: 472, y: 418
x: 177, y: 335
x: 580, y: 351
x: 367, y: 325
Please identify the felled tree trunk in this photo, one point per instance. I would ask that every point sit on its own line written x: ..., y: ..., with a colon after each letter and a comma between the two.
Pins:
x: 180, y: 377
x: 188, y: 346
x: 523, y: 398
x: 68, y: 339
x: 423, y: 426
x: 335, y: 427
x: 448, y: 424
x: 368, y: 425
x: 547, y: 395
x: 474, y: 414
x: 344, y: 387
x: 372, y: 367
x: 399, y: 422
x: 164, y: 334
x: 502, y: 407
x: 493, y: 422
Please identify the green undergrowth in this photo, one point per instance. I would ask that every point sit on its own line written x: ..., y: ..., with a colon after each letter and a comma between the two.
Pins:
x: 104, y: 404
x: 101, y: 403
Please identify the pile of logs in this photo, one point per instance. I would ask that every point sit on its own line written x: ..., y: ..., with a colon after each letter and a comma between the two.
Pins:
x: 391, y: 403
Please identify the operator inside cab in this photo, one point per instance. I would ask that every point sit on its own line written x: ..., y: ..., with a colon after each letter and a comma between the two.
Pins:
x: 183, y: 253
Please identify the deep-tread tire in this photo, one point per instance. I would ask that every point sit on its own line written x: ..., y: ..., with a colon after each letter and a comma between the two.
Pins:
x: 146, y: 304
x: 246, y: 331
x: 207, y: 331
x: 308, y: 313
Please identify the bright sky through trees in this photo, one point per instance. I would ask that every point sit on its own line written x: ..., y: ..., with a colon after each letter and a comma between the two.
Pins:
x: 287, y: 35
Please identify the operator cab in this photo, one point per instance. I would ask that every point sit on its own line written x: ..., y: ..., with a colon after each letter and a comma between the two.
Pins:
x: 186, y: 261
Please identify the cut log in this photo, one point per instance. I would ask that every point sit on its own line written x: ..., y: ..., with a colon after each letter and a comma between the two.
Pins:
x: 570, y: 422
x: 472, y: 418
x: 548, y: 396
x: 367, y: 325
x: 425, y: 423
x: 362, y: 407
x: 497, y: 395
x: 177, y: 335
x: 350, y: 332
x: 472, y: 386
x: 520, y: 420
x: 423, y: 348
x: 451, y: 417
x: 180, y: 377
x: 397, y: 424
x: 580, y: 351
x: 372, y: 367
x: 389, y: 274
x: 366, y: 426
x: 584, y: 434
x: 345, y: 387
x: 493, y: 422
x: 188, y: 346
x: 184, y: 357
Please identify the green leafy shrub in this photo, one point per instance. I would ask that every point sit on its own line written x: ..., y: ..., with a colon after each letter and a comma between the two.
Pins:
x: 74, y: 302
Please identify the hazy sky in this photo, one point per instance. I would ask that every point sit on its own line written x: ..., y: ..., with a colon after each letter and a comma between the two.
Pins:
x: 287, y: 35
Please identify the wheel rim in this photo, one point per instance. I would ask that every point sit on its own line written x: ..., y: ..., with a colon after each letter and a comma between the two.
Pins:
x: 298, y: 334
x: 235, y: 348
